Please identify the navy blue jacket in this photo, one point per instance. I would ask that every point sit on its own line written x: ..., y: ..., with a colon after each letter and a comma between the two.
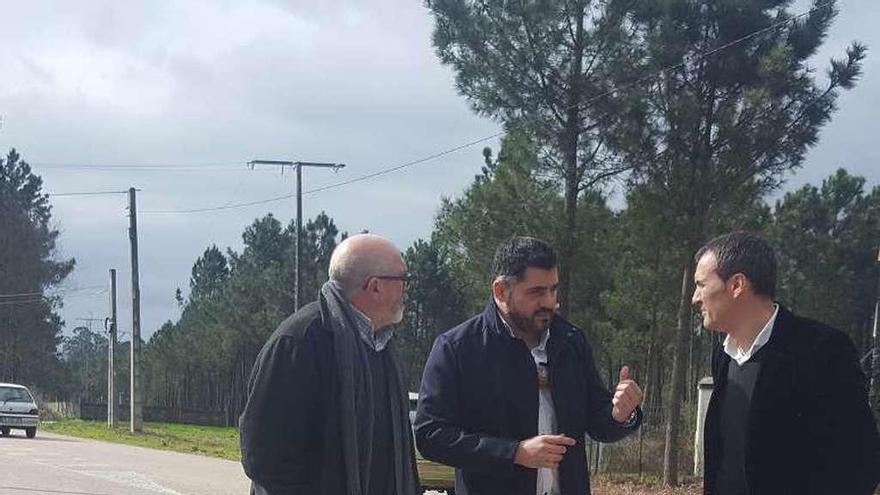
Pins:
x: 479, y: 399
x: 809, y: 431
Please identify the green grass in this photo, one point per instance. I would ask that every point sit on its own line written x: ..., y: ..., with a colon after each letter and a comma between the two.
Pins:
x: 435, y: 476
x: 203, y: 440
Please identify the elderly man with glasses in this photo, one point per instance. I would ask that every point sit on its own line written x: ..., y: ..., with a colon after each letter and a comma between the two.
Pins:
x: 327, y: 412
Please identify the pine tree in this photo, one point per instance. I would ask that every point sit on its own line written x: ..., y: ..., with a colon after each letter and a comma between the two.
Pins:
x: 29, y: 326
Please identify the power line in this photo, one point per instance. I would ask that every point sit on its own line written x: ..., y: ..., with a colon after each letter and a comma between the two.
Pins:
x: 95, y: 293
x: 24, y: 301
x: 88, y: 287
x: 332, y: 186
x: 86, y: 193
x: 163, y: 170
x: 218, y: 208
x: 33, y: 300
x: 136, y: 166
x: 62, y: 291
x: 406, y: 165
x: 22, y: 294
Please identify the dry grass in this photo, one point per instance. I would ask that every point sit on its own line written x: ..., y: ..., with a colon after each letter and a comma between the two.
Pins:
x: 605, y: 486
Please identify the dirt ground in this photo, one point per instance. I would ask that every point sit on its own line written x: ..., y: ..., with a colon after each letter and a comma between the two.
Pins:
x: 604, y: 487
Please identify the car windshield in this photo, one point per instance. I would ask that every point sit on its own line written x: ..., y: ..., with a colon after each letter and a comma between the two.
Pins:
x: 14, y: 394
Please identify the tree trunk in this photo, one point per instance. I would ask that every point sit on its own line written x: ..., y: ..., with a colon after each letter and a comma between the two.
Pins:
x: 567, y: 248
x: 679, y: 366
x: 572, y: 175
x: 652, y: 369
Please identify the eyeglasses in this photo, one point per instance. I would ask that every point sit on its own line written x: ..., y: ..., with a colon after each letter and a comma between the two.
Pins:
x: 404, y: 277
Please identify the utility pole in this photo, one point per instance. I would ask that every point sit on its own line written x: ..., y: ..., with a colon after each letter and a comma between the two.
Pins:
x: 136, y: 418
x: 299, y: 166
x: 875, y: 349
x: 111, y: 350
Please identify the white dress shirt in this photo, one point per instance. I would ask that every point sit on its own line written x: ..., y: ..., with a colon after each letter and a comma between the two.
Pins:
x: 741, y: 356
x: 548, y: 479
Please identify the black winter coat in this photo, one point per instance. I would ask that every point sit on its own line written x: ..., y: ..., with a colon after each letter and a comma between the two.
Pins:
x: 810, y: 431
x: 291, y: 441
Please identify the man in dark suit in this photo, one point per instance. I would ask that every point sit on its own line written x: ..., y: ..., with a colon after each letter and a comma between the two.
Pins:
x: 789, y: 413
x: 508, y: 395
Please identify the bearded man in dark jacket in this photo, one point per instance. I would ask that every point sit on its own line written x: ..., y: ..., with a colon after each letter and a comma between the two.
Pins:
x: 508, y: 395
x: 327, y: 412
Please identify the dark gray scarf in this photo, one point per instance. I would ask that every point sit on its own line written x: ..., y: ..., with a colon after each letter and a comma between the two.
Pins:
x: 356, y: 402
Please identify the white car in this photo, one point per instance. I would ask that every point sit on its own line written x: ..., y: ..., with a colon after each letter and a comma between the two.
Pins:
x: 18, y: 410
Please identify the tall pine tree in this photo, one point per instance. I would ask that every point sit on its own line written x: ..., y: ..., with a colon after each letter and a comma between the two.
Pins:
x: 29, y: 267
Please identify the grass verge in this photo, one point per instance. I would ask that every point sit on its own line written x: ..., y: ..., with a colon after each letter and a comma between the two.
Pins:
x: 203, y: 440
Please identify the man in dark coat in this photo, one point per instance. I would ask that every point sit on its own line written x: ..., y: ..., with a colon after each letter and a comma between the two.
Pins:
x: 327, y: 412
x: 789, y: 412
x: 507, y: 396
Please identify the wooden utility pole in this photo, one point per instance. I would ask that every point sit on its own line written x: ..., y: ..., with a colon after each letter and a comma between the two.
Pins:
x: 874, y: 389
x: 111, y: 350
x: 299, y: 165
x: 298, y: 246
x: 136, y: 418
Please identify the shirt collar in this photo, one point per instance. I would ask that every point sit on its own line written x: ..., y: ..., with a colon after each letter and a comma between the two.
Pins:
x: 542, y: 342
x: 375, y: 339
x: 762, y: 338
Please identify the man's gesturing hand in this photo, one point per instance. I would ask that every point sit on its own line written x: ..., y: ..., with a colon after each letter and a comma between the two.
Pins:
x: 627, y: 397
x: 542, y: 451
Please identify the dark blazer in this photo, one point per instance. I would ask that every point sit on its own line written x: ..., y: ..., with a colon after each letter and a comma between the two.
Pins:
x: 810, y: 431
x: 479, y: 399
x: 291, y: 442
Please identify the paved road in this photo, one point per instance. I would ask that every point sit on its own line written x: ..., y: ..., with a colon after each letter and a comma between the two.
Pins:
x: 59, y: 465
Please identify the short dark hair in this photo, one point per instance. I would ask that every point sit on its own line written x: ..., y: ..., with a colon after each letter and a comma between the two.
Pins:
x: 519, y: 253
x: 746, y: 253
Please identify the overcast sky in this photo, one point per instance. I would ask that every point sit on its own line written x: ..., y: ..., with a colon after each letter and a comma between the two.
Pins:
x: 90, y: 89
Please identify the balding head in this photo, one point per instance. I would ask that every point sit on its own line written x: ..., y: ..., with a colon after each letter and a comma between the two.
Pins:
x: 361, y: 256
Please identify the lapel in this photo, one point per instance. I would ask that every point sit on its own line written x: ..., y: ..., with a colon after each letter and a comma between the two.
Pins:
x: 560, y: 360
x: 777, y: 375
x: 556, y: 343
x: 719, y: 381
x: 515, y: 374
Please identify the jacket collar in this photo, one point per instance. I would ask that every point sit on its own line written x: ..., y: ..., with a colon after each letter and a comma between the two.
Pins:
x: 782, y: 331
x: 493, y: 318
x: 778, y: 347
